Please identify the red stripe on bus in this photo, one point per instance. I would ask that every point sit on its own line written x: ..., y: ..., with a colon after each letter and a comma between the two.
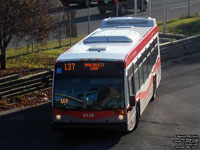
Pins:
x: 87, y: 115
x: 143, y: 95
x: 137, y: 49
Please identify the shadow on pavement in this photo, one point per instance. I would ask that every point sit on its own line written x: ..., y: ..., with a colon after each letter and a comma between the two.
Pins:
x: 30, y: 129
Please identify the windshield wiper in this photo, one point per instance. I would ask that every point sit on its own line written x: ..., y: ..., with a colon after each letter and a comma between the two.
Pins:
x: 70, y: 97
x: 71, y: 107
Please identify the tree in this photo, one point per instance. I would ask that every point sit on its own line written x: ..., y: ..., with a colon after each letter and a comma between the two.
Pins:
x: 27, y: 19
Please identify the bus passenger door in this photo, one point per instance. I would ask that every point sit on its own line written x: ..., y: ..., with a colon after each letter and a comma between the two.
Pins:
x: 131, y: 113
x: 131, y: 104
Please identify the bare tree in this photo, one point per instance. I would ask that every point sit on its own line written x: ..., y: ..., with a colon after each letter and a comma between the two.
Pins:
x: 23, y: 19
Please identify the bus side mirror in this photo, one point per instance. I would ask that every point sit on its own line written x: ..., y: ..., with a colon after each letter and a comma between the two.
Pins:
x: 132, y: 100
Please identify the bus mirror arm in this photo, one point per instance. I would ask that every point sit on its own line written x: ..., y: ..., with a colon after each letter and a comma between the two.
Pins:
x: 129, y: 108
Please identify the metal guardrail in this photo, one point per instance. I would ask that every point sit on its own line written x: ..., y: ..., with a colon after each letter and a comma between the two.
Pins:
x: 8, y: 78
x: 172, y: 36
x: 13, y: 86
x: 168, y: 37
x: 180, y: 48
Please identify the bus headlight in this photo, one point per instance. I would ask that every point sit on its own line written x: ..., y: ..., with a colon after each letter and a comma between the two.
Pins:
x: 58, y: 117
x: 120, y: 117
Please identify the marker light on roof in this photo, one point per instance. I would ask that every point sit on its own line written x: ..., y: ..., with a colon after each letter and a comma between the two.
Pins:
x: 82, y: 59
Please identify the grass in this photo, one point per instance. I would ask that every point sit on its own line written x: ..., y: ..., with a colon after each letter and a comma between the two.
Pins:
x: 41, y: 47
x: 45, y: 58
x: 42, y: 58
x: 187, y: 26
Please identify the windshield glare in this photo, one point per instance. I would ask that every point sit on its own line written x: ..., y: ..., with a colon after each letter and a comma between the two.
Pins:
x: 88, y: 93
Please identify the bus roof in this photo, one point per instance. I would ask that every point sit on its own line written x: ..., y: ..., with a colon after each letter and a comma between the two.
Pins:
x: 113, y: 41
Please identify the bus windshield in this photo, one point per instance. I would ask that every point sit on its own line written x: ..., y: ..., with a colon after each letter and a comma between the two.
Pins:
x: 88, y: 93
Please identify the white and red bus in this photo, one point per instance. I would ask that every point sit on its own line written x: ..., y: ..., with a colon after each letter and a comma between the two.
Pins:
x: 107, y: 79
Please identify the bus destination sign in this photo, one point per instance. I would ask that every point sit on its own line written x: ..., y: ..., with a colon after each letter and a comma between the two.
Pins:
x: 89, y: 67
x: 94, y: 66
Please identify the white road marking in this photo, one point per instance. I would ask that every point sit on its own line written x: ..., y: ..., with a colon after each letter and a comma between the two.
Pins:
x: 177, y: 7
x: 182, y: 5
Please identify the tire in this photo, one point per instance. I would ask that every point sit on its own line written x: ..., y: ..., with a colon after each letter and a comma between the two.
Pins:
x: 137, y: 117
x: 122, y: 10
x: 144, y: 7
x: 85, y: 3
x: 101, y: 10
x: 154, y: 90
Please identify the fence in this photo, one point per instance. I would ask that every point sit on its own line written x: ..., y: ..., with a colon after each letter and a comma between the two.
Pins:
x: 13, y: 85
x: 180, y: 48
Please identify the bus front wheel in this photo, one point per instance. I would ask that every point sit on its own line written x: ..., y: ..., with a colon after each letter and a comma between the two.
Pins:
x: 143, y: 7
x: 137, y: 117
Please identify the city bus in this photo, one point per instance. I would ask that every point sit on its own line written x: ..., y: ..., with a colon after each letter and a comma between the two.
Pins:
x: 108, y: 78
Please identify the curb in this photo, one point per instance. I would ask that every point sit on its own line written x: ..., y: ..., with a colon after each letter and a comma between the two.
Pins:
x: 7, y: 112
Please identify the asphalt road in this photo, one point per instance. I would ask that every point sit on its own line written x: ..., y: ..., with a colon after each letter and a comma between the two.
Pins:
x: 175, y: 111
x: 176, y: 8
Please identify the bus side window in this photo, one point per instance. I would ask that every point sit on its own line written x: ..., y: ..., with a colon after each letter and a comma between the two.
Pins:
x: 155, y: 41
x: 154, y: 55
x: 149, y: 67
x: 131, y: 87
x: 136, y: 80
x: 145, y: 69
x: 130, y: 79
x: 156, y: 51
x: 131, y: 91
x: 141, y: 77
x: 151, y: 46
